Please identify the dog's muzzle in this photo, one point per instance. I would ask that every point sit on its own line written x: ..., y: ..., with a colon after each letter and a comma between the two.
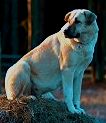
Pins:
x: 71, y: 34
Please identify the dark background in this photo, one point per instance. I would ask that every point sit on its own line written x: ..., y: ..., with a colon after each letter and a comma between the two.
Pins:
x: 24, y: 24
x: 46, y: 17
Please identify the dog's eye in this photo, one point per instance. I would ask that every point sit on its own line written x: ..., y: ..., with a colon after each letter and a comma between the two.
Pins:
x: 77, y: 21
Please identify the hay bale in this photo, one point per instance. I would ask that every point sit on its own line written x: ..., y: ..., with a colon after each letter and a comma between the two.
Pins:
x: 27, y: 110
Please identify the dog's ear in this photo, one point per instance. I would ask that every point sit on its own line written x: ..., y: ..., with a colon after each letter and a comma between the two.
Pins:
x: 91, y: 17
x: 67, y: 16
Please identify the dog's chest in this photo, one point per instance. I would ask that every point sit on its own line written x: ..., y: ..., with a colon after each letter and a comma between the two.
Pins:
x: 83, y: 50
x: 80, y: 54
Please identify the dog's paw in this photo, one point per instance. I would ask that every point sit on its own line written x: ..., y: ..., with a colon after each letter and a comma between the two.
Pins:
x: 74, y: 111
x: 81, y: 110
x: 31, y: 97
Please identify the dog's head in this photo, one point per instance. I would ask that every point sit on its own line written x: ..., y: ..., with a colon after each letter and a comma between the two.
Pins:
x: 80, y: 23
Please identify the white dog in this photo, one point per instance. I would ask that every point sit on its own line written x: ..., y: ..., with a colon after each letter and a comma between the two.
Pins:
x: 60, y: 60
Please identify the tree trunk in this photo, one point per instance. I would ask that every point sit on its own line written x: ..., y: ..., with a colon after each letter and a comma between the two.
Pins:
x: 29, y: 24
x: 0, y: 55
x: 5, y: 37
x: 37, y: 22
x: 0, y: 63
x: 14, y: 26
x: 98, y: 60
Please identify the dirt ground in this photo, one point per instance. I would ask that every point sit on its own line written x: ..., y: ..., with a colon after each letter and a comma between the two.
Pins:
x: 29, y: 110
x: 94, y: 101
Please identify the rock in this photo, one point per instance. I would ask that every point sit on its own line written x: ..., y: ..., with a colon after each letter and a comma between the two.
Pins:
x: 28, y: 110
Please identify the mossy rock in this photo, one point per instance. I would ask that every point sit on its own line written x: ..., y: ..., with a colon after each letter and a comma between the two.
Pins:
x: 27, y: 110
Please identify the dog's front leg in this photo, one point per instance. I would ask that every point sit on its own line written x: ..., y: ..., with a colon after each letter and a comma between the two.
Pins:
x: 67, y: 79
x: 77, y: 90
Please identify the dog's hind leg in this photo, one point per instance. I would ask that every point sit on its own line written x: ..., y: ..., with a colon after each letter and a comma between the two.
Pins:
x: 17, y: 80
